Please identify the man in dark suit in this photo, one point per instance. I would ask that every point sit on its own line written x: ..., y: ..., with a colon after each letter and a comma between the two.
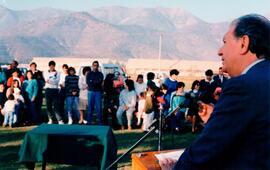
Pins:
x: 237, y: 135
x: 208, y: 86
x: 220, y: 78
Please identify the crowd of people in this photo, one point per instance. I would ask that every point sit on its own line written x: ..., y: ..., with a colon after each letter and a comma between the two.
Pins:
x: 72, y: 99
x: 235, y: 136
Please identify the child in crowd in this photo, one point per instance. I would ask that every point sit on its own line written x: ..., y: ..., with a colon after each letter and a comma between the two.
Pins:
x: 8, y: 111
x: 19, y: 104
x: 141, y: 103
x: 149, y: 108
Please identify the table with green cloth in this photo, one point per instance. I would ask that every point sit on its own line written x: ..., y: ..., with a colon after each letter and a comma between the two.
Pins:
x: 88, y: 145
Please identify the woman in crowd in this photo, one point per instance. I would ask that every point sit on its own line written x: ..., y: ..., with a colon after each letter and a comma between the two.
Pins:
x: 83, y: 101
x: 140, y: 86
x: 127, y: 103
x: 193, y: 109
x: 72, y: 94
x: 111, y: 101
x: 30, y: 91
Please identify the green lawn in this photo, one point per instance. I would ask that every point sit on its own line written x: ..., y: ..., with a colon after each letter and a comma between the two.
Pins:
x: 11, y: 139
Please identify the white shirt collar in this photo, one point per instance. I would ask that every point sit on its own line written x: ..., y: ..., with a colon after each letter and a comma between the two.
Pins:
x: 171, y: 79
x: 251, y: 65
x: 211, y: 81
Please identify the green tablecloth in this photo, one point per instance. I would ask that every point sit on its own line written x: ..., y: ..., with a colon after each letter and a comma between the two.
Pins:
x: 71, y: 144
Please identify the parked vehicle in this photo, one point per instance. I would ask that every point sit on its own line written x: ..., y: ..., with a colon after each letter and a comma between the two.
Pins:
x: 22, y: 67
x: 106, y: 68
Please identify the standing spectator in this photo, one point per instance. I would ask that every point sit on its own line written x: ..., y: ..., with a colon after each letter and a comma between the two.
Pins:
x: 8, y: 71
x: 62, y: 91
x: 30, y: 92
x: 166, y: 98
x: 35, y: 71
x: 171, y: 82
x: 83, y: 102
x: 38, y: 75
x: 111, y: 101
x: 94, y: 80
x: 52, y: 78
x: 140, y: 86
x: 150, y: 81
x: 208, y: 85
x: 127, y: 103
x: 193, y: 107
x: 220, y: 78
x: 14, y: 66
x: 8, y: 111
x: 2, y: 76
x: 15, y: 76
x: 72, y: 94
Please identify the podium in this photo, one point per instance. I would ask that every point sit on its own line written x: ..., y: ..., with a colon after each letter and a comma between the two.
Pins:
x: 146, y: 160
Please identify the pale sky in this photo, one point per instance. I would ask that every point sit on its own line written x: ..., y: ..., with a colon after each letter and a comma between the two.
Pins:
x: 208, y: 10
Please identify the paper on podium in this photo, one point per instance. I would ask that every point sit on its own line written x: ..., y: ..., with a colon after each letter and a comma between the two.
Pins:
x: 171, y: 155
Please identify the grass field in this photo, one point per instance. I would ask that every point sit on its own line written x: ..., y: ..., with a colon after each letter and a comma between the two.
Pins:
x: 11, y: 139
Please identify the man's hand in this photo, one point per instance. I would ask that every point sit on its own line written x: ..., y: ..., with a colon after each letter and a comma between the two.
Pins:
x: 167, y: 164
x: 205, y: 110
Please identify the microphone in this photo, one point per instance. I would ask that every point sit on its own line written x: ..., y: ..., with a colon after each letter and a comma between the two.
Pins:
x: 161, y: 100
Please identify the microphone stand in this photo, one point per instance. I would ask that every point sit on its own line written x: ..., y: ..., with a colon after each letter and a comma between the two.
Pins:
x: 151, y: 128
x: 160, y: 127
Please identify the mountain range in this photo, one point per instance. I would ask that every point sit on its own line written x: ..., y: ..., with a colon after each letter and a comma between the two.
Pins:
x: 113, y: 32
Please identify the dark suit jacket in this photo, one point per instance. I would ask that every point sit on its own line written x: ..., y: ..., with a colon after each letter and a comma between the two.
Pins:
x: 237, y: 135
x: 207, y: 90
x: 218, y: 80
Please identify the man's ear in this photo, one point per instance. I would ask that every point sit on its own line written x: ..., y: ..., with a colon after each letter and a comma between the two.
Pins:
x: 244, y: 44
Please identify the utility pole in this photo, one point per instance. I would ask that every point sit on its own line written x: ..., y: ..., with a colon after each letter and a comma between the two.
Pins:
x: 159, y: 54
